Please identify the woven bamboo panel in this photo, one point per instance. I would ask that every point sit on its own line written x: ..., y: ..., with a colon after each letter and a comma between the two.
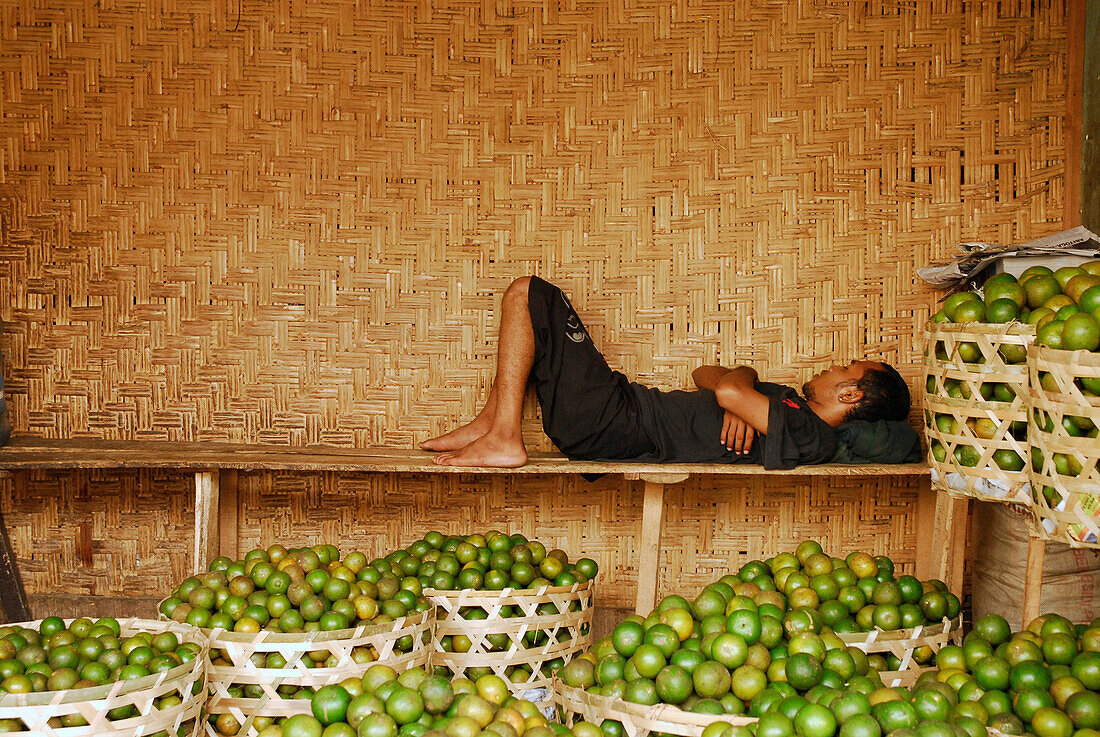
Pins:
x: 290, y: 222
x: 124, y: 533
x: 712, y: 525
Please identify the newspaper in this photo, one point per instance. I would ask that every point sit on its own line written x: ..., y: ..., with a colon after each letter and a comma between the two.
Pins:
x: 974, y: 257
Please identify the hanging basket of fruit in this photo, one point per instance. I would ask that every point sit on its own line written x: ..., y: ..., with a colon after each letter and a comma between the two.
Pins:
x: 282, y: 624
x: 131, y: 678
x: 975, y: 399
x: 1065, y: 468
x: 637, y: 720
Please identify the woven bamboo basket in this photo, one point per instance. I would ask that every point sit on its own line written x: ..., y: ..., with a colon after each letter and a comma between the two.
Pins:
x: 973, y: 355
x: 567, y: 631
x: 186, y: 681
x: 638, y: 720
x: 903, y: 644
x: 295, y: 648
x: 1066, y: 507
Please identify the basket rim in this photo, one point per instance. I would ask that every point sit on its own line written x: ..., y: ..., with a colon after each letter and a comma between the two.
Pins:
x: 1012, y: 327
x: 944, y: 626
x: 117, y: 688
x: 1064, y: 357
x: 216, y: 635
x: 662, y: 712
x: 505, y: 592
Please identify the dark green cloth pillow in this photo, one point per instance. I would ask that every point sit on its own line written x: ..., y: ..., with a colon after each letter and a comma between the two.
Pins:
x: 882, y: 441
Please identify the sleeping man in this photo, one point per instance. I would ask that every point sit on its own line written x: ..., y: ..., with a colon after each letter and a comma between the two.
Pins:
x: 593, y: 413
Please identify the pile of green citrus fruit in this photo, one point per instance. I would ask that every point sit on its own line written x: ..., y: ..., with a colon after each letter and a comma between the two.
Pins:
x: 489, y: 561
x: 493, y: 561
x: 299, y: 590
x: 85, y: 654
x: 1043, y: 681
x: 416, y: 704
x: 771, y: 630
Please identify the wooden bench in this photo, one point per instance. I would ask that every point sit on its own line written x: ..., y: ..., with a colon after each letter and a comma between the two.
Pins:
x: 215, y: 467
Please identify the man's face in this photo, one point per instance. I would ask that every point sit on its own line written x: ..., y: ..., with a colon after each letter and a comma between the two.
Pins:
x: 828, y: 384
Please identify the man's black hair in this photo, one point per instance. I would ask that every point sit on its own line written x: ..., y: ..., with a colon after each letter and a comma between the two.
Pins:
x: 885, y: 396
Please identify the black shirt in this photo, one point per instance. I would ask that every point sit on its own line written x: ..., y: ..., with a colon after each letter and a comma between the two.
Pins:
x: 686, y: 427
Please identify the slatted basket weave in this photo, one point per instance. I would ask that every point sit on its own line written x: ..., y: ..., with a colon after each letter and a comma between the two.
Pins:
x: 347, y: 646
x: 959, y: 360
x: 564, y: 631
x: 904, y: 644
x: 638, y: 720
x: 186, y: 681
x: 1065, y: 505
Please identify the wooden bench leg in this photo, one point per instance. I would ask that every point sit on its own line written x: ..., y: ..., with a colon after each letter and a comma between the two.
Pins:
x: 949, y: 540
x: 1033, y: 578
x: 649, y: 553
x: 227, y: 514
x: 13, y: 600
x: 649, y: 542
x: 207, y: 536
x: 926, y: 520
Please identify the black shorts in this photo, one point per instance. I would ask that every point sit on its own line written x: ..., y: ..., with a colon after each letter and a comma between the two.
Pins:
x: 588, y: 410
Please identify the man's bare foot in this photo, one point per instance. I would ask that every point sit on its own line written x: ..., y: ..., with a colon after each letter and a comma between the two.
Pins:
x: 459, y: 437
x: 486, y: 451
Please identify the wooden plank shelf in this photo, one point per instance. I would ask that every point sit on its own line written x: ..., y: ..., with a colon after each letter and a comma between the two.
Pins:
x: 216, y: 465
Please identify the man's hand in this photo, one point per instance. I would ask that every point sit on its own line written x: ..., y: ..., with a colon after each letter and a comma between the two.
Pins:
x: 735, y: 390
x: 737, y: 435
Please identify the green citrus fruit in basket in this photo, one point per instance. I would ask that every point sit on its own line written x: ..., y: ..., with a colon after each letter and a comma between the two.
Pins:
x: 970, y: 311
x: 952, y: 303
x: 1040, y: 289
x: 1050, y: 334
x: 994, y: 290
x: 1002, y: 310
x: 1077, y: 286
x: 1081, y: 331
x: 1040, y: 316
x: 1064, y: 274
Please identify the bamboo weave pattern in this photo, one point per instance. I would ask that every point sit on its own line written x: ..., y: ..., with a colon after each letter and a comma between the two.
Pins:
x: 289, y: 222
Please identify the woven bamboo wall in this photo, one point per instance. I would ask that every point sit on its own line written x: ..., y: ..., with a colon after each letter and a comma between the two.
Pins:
x: 135, y: 526
x: 289, y: 222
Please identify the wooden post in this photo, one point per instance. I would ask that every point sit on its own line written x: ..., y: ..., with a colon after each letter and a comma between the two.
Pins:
x: 1033, y: 578
x: 227, y: 514
x: 207, y: 537
x: 926, y: 520
x: 13, y: 600
x: 649, y: 542
x: 949, y: 540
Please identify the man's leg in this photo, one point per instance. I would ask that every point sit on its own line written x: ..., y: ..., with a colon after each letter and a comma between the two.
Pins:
x: 502, y: 443
x: 460, y: 437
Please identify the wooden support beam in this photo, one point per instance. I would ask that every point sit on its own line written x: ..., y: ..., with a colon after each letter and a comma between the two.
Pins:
x: 925, y: 521
x: 1033, y: 578
x: 207, y: 535
x: 949, y: 540
x: 228, y: 507
x: 13, y: 600
x: 649, y: 547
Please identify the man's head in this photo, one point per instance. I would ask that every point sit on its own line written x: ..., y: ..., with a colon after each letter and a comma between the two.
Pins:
x: 862, y: 390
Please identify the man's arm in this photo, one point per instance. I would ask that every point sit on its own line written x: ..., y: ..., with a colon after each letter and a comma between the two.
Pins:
x: 735, y: 390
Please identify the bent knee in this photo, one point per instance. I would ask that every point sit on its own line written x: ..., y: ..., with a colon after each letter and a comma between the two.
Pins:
x: 518, y: 289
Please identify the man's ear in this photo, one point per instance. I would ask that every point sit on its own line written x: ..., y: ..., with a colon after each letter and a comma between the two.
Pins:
x: 849, y: 393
